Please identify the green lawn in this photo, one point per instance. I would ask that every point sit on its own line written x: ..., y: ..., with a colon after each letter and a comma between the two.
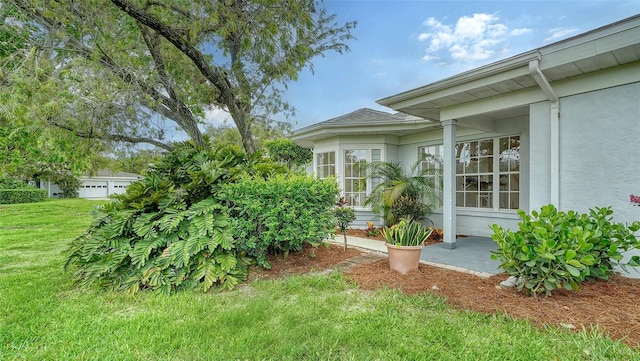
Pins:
x: 44, y: 316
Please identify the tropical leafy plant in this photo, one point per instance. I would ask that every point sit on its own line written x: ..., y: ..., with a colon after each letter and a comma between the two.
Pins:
x: 168, y: 232
x: 554, y: 249
x: 406, y: 233
x: 417, y: 190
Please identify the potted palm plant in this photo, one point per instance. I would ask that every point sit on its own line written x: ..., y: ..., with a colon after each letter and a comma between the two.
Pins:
x: 404, y: 242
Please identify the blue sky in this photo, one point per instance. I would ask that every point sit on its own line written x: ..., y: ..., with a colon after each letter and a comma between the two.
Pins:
x: 402, y: 45
x: 405, y: 44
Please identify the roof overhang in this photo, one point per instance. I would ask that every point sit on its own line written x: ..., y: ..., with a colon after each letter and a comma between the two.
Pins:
x: 609, y: 46
x: 305, y: 137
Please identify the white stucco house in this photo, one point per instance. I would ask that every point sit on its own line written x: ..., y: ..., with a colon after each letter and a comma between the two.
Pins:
x: 559, y: 124
x: 101, y: 185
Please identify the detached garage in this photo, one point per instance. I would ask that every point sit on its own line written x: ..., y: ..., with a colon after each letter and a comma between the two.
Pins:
x: 101, y: 185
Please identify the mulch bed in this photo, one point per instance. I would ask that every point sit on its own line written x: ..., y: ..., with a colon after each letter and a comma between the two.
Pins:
x: 613, y: 305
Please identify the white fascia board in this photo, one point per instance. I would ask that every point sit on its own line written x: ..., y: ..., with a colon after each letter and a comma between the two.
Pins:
x: 488, y: 74
x: 620, y: 75
x: 463, y: 86
x: 553, y: 57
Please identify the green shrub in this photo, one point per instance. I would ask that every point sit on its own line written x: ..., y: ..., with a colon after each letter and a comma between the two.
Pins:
x: 9, y: 183
x: 288, y: 152
x: 409, y: 207
x: 24, y: 195
x: 280, y: 213
x: 168, y: 232
x: 68, y: 184
x: 344, y: 217
x: 554, y: 249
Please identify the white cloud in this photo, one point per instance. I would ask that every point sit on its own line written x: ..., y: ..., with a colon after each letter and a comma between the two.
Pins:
x: 520, y: 31
x: 559, y: 33
x: 472, y: 38
x: 216, y: 116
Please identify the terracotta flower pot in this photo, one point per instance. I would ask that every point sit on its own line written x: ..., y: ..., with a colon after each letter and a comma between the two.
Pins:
x: 403, y: 259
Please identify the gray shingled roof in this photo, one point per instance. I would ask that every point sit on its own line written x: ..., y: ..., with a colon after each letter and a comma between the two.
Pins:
x: 361, y: 116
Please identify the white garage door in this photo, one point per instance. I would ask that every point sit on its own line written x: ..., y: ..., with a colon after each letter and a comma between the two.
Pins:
x: 119, y: 187
x: 93, y: 189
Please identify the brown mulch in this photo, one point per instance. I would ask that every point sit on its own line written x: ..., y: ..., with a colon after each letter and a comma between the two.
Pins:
x: 614, y: 305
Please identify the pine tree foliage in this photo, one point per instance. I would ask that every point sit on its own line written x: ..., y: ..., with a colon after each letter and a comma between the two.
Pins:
x: 168, y: 232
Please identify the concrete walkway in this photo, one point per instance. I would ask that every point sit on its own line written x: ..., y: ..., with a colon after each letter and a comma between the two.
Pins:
x: 471, y: 255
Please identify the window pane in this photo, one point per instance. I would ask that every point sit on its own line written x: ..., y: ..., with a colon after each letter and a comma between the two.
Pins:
x: 472, y: 166
x: 504, y: 200
x: 355, y: 184
x: 514, y: 182
x: 471, y: 200
x: 486, y: 147
x: 375, y: 155
x: 515, y: 200
x: 504, y: 183
x: 485, y: 199
x: 325, y: 164
x: 460, y: 199
x: 485, y: 164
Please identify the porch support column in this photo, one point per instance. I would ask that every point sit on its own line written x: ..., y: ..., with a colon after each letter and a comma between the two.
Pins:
x: 449, y: 181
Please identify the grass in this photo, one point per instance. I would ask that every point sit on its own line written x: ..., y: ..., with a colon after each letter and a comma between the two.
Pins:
x: 44, y: 316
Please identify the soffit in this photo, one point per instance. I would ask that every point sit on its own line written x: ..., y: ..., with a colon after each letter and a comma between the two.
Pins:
x: 607, y: 47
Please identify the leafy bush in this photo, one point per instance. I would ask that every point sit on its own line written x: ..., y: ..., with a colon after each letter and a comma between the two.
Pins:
x: 287, y: 151
x: 553, y: 249
x: 279, y: 214
x: 24, y: 195
x: 68, y: 184
x: 8, y: 183
x: 13, y: 191
x: 168, y: 232
x: 409, y: 207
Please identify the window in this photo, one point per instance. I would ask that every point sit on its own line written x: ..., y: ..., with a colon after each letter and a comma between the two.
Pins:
x: 325, y: 164
x: 479, y: 174
x: 431, y: 160
x: 355, y: 183
x: 509, y: 172
x: 474, y: 174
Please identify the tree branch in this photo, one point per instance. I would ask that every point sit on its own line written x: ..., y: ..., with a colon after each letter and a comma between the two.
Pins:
x: 219, y: 79
x: 113, y: 137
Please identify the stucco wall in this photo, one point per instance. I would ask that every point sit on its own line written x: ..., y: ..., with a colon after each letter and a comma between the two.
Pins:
x: 600, y: 152
x: 539, y: 155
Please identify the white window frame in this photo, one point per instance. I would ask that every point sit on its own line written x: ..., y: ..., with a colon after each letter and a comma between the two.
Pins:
x: 487, y: 186
x: 327, y: 165
x: 436, y: 163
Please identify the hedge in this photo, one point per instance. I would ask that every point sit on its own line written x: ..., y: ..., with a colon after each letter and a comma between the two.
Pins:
x: 280, y: 214
x: 27, y: 195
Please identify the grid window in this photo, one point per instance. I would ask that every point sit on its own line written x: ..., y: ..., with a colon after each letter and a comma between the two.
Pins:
x: 355, y: 182
x: 488, y: 173
x: 509, y: 172
x: 431, y: 161
x: 474, y: 174
x: 325, y: 164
